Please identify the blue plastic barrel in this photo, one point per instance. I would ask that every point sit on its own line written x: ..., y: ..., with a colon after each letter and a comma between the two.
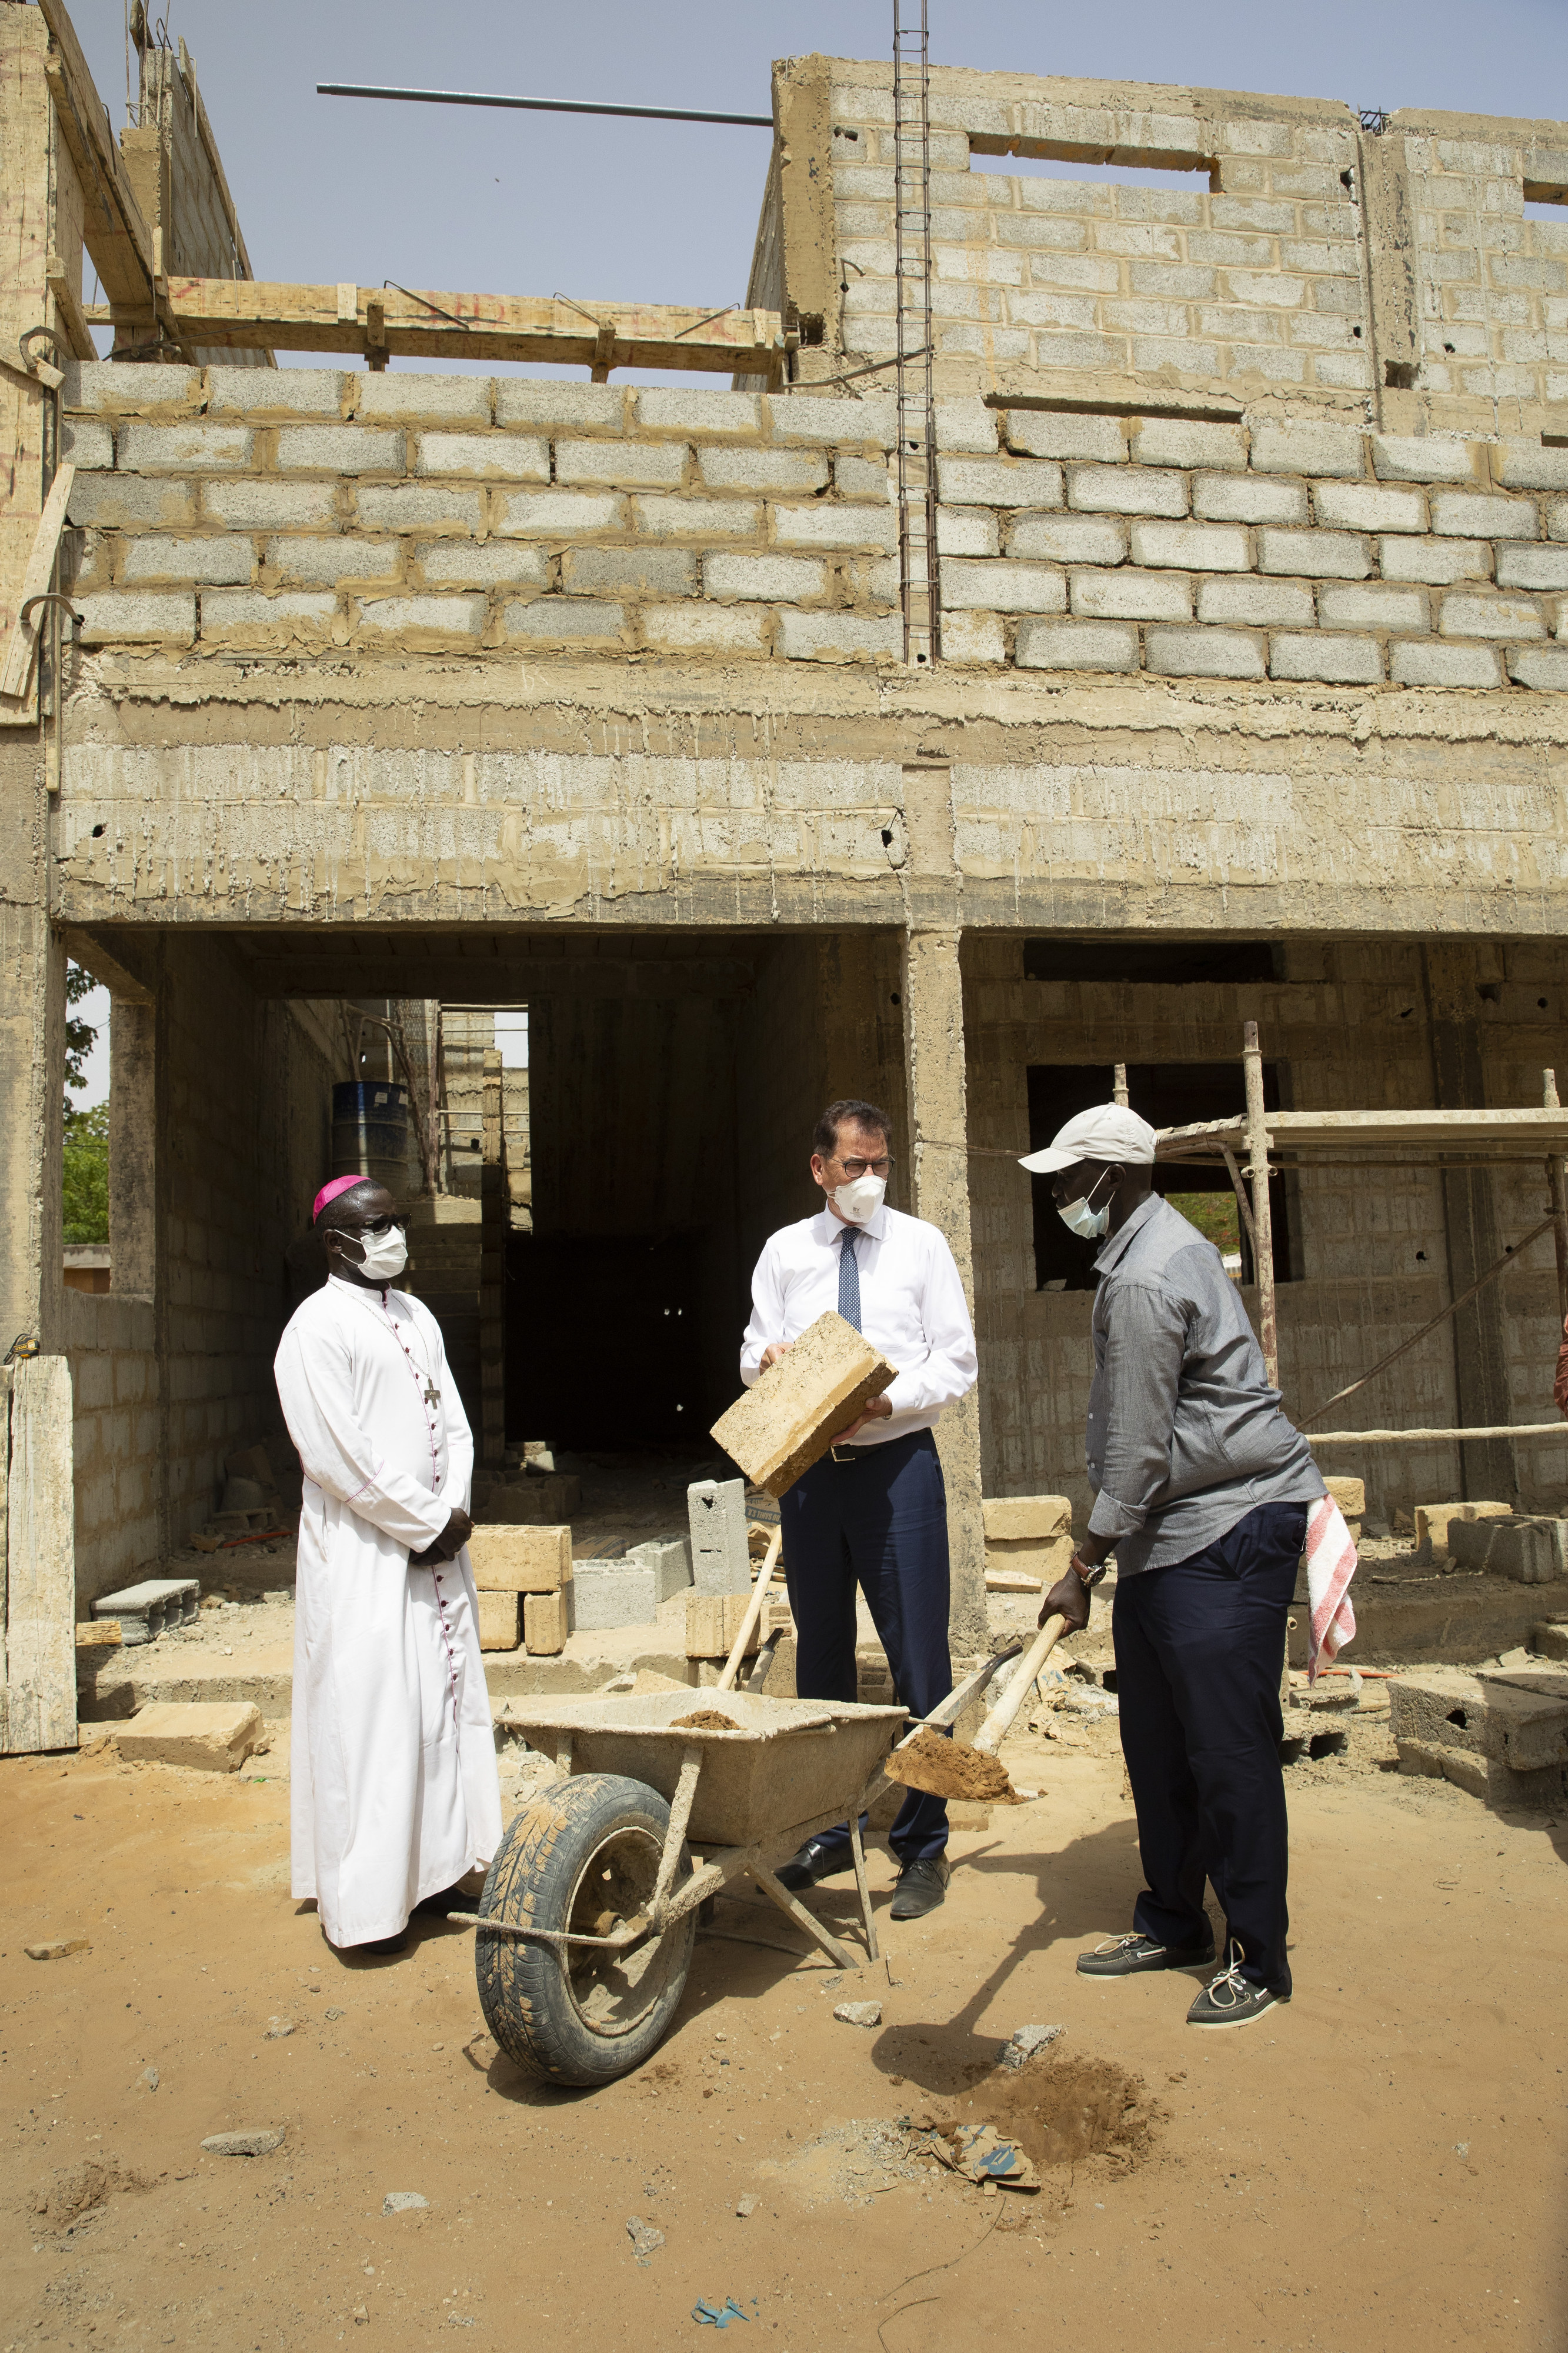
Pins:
x: 370, y: 1131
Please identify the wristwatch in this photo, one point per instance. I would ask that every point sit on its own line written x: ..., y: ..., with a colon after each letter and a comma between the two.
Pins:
x: 1087, y: 1577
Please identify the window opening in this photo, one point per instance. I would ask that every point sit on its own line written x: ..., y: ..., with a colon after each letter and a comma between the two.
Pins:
x: 84, y: 1177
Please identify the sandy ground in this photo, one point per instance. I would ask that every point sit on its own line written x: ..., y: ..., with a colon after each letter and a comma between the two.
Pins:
x: 1380, y: 2165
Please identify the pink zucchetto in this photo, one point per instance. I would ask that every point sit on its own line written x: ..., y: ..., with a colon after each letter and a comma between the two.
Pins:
x: 330, y: 1192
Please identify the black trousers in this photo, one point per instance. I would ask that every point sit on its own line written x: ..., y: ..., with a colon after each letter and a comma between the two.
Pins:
x: 1199, y: 1647
x: 878, y: 1521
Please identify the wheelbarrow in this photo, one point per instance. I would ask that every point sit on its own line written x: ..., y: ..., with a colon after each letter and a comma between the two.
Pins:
x: 585, y: 1928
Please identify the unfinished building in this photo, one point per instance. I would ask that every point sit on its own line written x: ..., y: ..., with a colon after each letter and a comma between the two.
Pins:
x: 1180, y: 637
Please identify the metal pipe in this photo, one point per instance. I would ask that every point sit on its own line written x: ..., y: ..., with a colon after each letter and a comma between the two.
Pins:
x: 1433, y: 1437
x: 1262, y: 1217
x: 537, y: 105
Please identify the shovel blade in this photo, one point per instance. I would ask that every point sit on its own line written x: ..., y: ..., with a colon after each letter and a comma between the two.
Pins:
x: 942, y: 1769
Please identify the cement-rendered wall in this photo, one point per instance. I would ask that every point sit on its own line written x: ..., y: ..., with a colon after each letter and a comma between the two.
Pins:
x: 1353, y: 1032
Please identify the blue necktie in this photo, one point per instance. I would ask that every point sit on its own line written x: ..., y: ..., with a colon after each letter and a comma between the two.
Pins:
x: 850, y: 1278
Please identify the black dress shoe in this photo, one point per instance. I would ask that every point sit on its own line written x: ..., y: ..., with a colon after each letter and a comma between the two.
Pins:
x: 921, y: 1887
x: 814, y: 1861
x: 378, y: 1948
x: 449, y: 1899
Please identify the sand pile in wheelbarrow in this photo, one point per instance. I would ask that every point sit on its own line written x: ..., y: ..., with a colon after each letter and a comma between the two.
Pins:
x: 705, y: 1719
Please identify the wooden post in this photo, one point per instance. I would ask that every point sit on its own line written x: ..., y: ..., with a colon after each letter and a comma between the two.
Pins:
x: 1262, y: 1221
x: 1557, y: 1188
x: 493, y: 1224
x: 1119, y: 1083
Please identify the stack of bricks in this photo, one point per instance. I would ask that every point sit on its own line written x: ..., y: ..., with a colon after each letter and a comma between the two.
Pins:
x: 528, y: 1569
x: 462, y: 515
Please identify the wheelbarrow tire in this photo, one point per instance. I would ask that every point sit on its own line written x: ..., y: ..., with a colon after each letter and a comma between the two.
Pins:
x: 571, y: 2014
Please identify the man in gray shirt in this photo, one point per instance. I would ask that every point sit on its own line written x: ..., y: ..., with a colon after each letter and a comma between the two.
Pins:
x: 1202, y: 1490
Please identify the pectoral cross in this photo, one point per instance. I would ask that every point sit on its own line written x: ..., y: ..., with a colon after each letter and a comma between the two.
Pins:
x: 432, y: 1394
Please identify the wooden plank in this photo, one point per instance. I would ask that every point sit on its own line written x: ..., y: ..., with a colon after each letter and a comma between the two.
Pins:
x: 205, y: 133
x: 1529, y: 1130
x: 116, y: 235
x: 247, y: 313
x: 35, y: 581
x: 40, y: 1563
x: 67, y: 306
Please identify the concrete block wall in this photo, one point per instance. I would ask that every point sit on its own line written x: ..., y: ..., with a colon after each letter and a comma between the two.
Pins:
x: 1369, y: 1247
x: 116, y: 1424
x: 728, y: 526
x: 1492, y: 281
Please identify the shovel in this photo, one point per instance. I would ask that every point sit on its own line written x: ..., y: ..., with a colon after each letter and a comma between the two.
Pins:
x: 942, y: 1769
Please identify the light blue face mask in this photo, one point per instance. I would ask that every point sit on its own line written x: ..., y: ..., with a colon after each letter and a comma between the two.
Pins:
x: 1079, y: 1219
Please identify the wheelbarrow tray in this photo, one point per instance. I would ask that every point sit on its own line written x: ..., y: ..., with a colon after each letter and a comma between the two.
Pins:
x: 793, y: 1760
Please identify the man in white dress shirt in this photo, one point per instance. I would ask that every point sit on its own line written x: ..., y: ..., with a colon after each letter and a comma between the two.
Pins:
x: 395, y: 1795
x: 873, y: 1512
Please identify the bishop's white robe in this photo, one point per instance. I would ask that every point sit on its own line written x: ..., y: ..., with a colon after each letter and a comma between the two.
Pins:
x: 395, y: 1793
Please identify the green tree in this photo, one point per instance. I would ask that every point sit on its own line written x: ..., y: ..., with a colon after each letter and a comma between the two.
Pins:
x: 80, y: 1036
x: 86, y: 1175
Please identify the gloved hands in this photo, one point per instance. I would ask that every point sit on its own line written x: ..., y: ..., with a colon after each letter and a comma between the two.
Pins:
x: 1068, y: 1599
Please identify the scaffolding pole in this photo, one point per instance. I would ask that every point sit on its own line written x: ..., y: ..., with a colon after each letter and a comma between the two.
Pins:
x: 1557, y: 1192
x: 1262, y: 1218
x: 917, y: 409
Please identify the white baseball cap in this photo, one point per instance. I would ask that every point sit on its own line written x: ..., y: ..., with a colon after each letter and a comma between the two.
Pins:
x: 1106, y: 1132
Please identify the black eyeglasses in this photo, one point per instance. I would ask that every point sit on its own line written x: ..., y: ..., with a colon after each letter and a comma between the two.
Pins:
x: 857, y: 1169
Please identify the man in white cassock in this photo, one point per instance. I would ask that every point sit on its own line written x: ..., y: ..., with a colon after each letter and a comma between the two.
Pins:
x: 395, y: 1794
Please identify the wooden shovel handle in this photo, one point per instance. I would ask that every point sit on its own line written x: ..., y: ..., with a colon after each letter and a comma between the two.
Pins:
x: 753, y: 1612
x: 993, y: 1731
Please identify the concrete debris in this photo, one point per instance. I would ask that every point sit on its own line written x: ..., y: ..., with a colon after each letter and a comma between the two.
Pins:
x: 278, y: 2031
x: 859, y: 2013
x: 58, y: 1948
x: 403, y: 2202
x: 646, y: 2241
x: 745, y: 2207
x: 149, y: 2076
x: 1027, y: 2043
x: 254, y: 2141
x: 333, y: 2013
x: 1500, y: 1734
x: 205, y: 1735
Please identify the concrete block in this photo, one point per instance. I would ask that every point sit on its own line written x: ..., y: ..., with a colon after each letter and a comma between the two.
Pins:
x: 1336, y: 661
x: 613, y: 1593
x: 998, y: 482
x: 775, y: 580
x: 253, y: 613
x: 1254, y: 604
x: 631, y: 465
x: 1000, y: 586
x: 1129, y: 596
x: 1526, y: 466
x: 146, y: 1609
x: 1545, y: 668
x: 628, y: 572
x: 1126, y: 489
x: 1489, y: 616
x: 580, y: 407
x: 1058, y: 538
x: 1036, y: 432
x: 1430, y: 663
x: 1191, y: 546
x: 1434, y: 1521
x: 1314, y: 554
x: 1075, y: 644
x: 341, y: 449
x: 497, y: 1617
x: 565, y: 620
x: 1341, y: 606
x: 419, y: 506
x: 831, y: 526
x: 836, y: 637
x: 1034, y: 1518
x: 483, y: 457
x: 257, y: 394
x: 1532, y: 565
x: 1550, y: 1642
x: 399, y: 395
x: 762, y: 470
x: 1406, y: 457
x: 712, y: 1622
x: 972, y: 637
x: 328, y: 561
x: 1046, y: 1558
x: 557, y: 515
x: 269, y: 506
x: 207, y: 1735
x: 1501, y: 1743
x: 698, y: 519
x: 1203, y: 653
x: 866, y: 478
x: 196, y: 447
x: 547, y: 1619
x: 1302, y: 448
x: 224, y: 562
x: 720, y: 1559
x: 670, y: 1557
x: 1530, y: 1550
x: 112, y: 387
x: 520, y: 1559
x: 844, y: 419
x: 446, y: 616
x: 967, y: 425
x: 1349, y: 1494
x: 87, y: 442
x: 788, y: 1419
x: 481, y: 564
x: 1470, y: 514
x: 141, y: 617
x: 1436, y: 563
x: 677, y: 410
x: 134, y: 502
x: 1368, y: 506
x: 1181, y: 441
x: 1244, y: 498
x: 705, y: 630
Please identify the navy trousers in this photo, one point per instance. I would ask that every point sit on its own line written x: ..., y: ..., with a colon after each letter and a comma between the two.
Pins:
x: 878, y: 1521
x: 1199, y: 1647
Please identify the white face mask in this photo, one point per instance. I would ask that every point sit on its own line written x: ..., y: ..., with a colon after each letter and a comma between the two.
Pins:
x: 1079, y: 1219
x: 385, y: 1254
x: 860, y: 1201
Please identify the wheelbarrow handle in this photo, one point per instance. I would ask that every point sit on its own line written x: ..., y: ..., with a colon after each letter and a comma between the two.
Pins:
x: 753, y: 1612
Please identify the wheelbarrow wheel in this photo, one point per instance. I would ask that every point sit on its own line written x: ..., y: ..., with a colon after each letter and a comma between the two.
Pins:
x: 581, y: 1858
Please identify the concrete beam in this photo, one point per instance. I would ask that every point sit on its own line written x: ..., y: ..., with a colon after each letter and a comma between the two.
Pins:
x: 406, y: 971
